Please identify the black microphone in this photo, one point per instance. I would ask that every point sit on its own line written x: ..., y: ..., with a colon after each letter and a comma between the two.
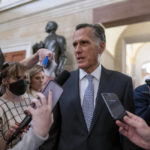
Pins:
x: 23, y: 124
x: 61, y: 79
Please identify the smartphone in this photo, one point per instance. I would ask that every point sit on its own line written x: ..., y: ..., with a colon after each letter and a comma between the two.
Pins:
x: 46, y: 62
x: 50, y: 69
x: 114, y: 105
x: 56, y: 89
x: 49, y: 66
x: 147, y: 82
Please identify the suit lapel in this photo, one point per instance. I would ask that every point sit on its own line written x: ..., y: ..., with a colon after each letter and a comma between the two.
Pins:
x: 76, y: 100
x: 103, y: 86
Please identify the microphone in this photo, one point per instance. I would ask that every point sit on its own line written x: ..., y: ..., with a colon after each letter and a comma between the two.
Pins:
x: 22, y: 125
x: 61, y: 79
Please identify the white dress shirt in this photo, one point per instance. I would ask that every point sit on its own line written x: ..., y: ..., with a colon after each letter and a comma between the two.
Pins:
x: 83, y: 82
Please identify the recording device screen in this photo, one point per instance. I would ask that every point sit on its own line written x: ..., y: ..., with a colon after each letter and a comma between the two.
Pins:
x: 114, y: 105
x: 56, y: 91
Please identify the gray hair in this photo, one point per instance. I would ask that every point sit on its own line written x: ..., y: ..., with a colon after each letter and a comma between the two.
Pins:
x: 98, y: 30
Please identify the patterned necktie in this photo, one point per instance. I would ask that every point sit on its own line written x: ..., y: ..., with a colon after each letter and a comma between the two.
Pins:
x: 88, y: 102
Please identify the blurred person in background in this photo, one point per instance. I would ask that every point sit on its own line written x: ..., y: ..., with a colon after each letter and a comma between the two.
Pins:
x: 27, y: 62
x: 36, y: 80
x: 13, y: 102
x: 142, y: 100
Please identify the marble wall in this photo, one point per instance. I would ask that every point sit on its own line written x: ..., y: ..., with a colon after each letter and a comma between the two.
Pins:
x: 22, y: 32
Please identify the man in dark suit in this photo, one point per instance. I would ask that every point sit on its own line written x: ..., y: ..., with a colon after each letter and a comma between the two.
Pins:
x: 87, y: 125
x: 142, y: 102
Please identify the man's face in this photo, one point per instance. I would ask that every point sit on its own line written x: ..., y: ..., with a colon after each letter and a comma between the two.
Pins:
x: 87, y: 49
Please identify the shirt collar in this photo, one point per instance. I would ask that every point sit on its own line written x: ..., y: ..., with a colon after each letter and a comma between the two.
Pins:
x: 96, y: 73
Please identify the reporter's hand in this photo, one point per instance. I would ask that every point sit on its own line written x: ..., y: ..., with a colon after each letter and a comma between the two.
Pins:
x: 10, y: 132
x: 42, y: 118
x: 135, y: 129
x: 43, y: 53
x: 38, y: 56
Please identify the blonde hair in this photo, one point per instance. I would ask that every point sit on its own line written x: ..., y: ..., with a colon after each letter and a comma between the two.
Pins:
x: 36, y: 69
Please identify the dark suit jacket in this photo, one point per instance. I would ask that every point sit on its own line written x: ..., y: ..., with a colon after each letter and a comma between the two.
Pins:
x: 104, y: 133
x: 142, y: 102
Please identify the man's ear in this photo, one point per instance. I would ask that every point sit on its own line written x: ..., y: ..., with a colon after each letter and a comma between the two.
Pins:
x: 101, y: 47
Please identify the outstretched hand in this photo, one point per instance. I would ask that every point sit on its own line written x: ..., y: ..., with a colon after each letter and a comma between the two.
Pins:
x: 42, y: 117
x: 135, y: 129
x: 43, y: 53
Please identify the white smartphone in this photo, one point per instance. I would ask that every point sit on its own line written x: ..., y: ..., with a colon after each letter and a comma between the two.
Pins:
x: 56, y: 89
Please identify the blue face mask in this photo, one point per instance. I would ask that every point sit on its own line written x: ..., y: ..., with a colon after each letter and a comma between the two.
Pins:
x: 19, y: 87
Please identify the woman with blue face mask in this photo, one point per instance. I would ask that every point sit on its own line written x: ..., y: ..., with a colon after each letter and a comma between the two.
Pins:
x: 13, y: 103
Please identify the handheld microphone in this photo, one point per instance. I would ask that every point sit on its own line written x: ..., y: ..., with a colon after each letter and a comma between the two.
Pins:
x: 61, y: 79
x: 23, y: 124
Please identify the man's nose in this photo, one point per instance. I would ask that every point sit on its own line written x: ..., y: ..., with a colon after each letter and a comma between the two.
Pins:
x: 78, y: 48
